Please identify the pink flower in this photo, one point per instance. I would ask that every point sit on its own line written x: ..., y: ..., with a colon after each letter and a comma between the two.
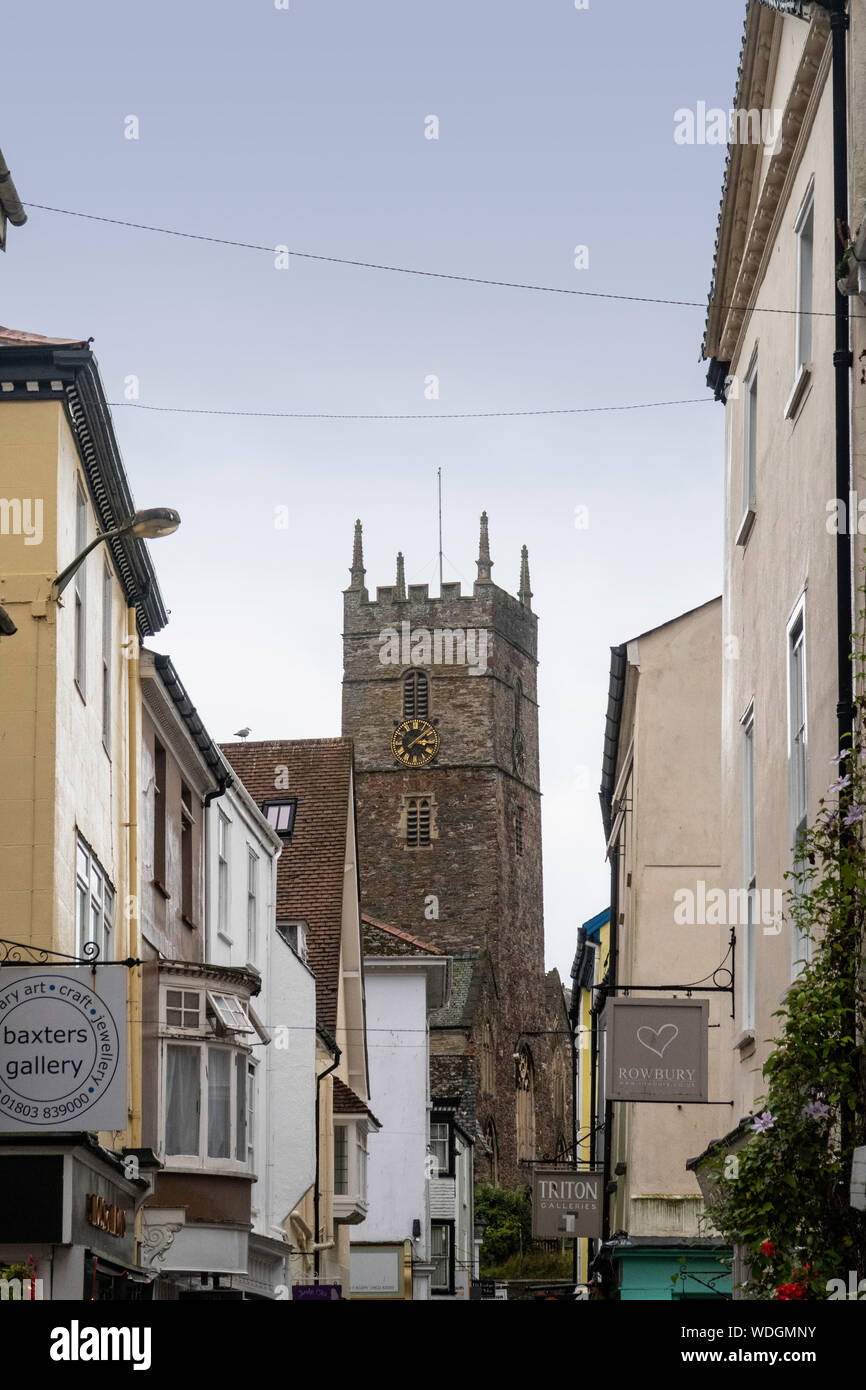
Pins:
x: 763, y: 1122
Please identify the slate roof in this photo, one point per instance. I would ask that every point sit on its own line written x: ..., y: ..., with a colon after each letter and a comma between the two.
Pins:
x: 312, y: 867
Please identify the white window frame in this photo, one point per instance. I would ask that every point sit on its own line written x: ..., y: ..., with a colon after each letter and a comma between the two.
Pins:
x: 750, y: 450
x: 436, y: 1141
x: 804, y: 229
x: 231, y: 1011
x: 223, y: 884
x: 185, y: 1007
x: 294, y: 933
x: 80, y: 591
x: 201, y: 1159
x: 437, y: 1257
x: 342, y: 1127
x: 107, y: 653
x: 252, y: 904
x: 749, y: 952
x: 104, y: 902
x: 798, y: 754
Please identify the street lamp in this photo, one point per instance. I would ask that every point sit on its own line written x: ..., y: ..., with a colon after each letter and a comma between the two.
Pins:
x: 149, y: 525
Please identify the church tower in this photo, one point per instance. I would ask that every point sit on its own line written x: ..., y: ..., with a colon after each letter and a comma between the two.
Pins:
x: 440, y: 700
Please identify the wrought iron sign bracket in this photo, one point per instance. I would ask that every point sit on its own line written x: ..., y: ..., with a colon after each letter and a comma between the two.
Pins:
x: 696, y: 987
x: 21, y: 953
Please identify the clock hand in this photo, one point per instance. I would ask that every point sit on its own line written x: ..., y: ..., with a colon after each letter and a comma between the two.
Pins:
x: 417, y: 740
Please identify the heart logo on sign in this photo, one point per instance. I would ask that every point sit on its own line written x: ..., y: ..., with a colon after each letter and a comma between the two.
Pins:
x: 656, y: 1035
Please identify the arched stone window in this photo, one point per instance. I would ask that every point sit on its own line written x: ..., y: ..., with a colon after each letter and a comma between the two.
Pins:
x: 558, y: 1086
x: 493, y: 1151
x: 525, y: 1081
x: 416, y: 695
x: 518, y: 701
x: 488, y: 1060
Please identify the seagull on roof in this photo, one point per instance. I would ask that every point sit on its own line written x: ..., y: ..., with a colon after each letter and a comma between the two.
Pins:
x: 243, y: 733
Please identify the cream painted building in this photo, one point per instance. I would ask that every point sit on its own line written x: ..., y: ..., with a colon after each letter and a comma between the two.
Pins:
x: 69, y: 730
x: 660, y: 803
x: 777, y: 248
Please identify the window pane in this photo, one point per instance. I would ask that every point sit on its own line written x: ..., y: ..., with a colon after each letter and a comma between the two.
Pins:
x: 218, y: 1099
x: 341, y: 1160
x: 183, y: 1100
x: 241, y: 1107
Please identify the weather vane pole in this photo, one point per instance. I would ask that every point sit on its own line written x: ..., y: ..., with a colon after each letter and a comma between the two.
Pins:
x: 439, y: 477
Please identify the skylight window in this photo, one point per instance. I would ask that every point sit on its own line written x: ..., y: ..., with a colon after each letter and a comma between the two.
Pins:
x: 280, y: 815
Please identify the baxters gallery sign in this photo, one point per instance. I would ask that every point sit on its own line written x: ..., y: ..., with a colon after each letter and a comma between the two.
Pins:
x: 566, y: 1203
x: 656, y: 1049
x: 62, y: 1048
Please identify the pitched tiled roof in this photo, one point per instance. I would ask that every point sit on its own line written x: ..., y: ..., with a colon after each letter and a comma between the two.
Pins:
x: 21, y: 338
x: 394, y: 942
x: 312, y: 867
x: 347, y: 1103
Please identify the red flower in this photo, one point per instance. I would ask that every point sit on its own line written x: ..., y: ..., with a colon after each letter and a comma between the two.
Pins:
x: 790, y: 1291
x: 768, y: 1249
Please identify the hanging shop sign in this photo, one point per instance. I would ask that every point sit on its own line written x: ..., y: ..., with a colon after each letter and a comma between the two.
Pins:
x: 656, y: 1049
x: 566, y: 1203
x: 62, y: 1049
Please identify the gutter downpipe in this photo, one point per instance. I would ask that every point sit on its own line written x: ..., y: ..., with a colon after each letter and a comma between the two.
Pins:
x: 842, y: 363
x: 317, y: 1247
x: 610, y: 991
x: 134, y: 1009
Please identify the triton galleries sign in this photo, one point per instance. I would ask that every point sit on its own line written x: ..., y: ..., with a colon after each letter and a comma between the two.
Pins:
x: 566, y: 1203
x: 62, y: 1048
x: 656, y: 1049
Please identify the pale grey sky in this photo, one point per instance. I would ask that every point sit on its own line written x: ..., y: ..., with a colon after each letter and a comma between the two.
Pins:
x: 306, y: 127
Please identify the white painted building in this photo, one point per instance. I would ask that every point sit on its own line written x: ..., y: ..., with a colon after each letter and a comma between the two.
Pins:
x: 241, y: 863
x: 413, y: 1242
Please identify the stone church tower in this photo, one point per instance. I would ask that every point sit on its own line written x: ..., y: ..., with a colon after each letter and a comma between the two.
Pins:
x: 440, y: 700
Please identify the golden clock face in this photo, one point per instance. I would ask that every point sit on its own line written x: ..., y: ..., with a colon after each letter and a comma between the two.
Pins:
x: 415, y: 743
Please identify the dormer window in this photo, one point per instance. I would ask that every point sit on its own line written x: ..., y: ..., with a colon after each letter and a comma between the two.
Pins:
x: 295, y: 935
x: 280, y: 815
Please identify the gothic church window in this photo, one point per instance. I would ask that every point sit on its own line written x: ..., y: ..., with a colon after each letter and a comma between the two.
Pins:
x: 487, y: 1059
x: 518, y: 701
x: 525, y: 1081
x: 493, y: 1151
x: 558, y: 1087
x: 518, y: 830
x: 416, y: 702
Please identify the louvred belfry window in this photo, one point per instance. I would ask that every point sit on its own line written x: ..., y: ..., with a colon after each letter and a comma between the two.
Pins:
x: 415, y: 695
x: 418, y: 822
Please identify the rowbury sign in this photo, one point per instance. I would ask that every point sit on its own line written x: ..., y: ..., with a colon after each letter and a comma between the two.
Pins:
x: 656, y: 1049
x: 62, y: 1048
x: 566, y: 1203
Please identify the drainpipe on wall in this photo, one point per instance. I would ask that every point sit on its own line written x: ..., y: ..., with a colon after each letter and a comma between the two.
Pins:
x: 319, y: 1246
x: 133, y: 917
x: 610, y: 993
x: 842, y: 363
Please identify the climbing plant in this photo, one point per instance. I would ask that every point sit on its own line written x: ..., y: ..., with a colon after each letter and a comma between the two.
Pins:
x: 782, y: 1195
